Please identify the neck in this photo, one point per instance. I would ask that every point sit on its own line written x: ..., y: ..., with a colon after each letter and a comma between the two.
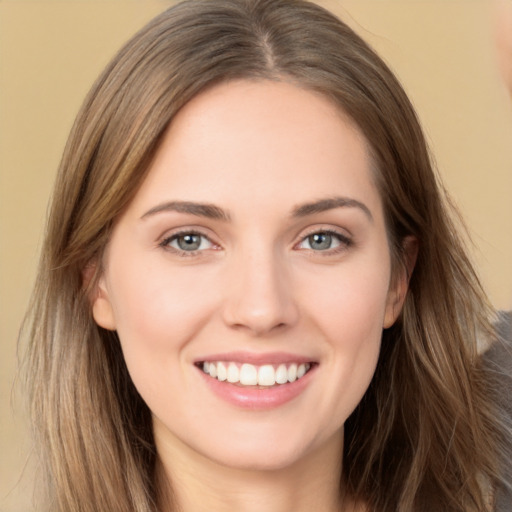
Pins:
x: 199, y: 483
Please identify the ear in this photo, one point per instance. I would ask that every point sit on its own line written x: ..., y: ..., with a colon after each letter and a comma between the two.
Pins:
x: 400, y: 282
x: 101, y: 306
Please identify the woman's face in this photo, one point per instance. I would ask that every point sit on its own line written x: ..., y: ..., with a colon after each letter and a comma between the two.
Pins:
x: 249, y: 280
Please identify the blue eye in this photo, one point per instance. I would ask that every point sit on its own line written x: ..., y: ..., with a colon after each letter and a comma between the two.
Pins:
x: 324, y: 241
x: 188, y: 242
x: 320, y: 241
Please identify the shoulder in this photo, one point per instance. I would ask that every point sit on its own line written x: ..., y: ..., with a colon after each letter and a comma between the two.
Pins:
x: 498, y: 356
x: 497, y: 361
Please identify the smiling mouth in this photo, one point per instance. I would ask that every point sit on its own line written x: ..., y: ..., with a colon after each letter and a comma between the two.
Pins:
x: 246, y: 374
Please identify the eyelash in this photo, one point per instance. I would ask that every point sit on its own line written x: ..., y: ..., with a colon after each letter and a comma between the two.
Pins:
x: 345, y: 242
x: 165, y: 243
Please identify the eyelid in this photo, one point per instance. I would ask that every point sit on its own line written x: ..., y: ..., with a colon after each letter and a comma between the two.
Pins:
x: 344, y: 238
x: 164, y: 241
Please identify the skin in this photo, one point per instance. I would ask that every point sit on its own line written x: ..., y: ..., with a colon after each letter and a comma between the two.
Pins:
x: 256, y: 150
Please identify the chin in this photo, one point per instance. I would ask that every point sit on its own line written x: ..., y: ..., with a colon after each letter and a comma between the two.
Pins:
x: 269, y: 459
x: 270, y: 451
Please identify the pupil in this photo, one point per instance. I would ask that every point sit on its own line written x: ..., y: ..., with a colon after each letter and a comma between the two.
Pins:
x: 189, y: 242
x: 320, y: 241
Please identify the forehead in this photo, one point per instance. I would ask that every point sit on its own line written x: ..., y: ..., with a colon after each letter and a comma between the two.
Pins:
x: 260, y: 142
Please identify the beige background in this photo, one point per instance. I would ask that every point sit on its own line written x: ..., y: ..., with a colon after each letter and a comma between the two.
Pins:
x: 51, y: 51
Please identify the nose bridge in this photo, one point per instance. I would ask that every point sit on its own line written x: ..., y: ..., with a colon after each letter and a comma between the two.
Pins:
x: 260, y: 298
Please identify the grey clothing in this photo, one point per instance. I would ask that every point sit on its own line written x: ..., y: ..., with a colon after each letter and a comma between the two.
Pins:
x: 498, y: 360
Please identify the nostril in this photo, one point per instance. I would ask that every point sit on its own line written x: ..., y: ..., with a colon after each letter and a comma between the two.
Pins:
x: 260, y: 314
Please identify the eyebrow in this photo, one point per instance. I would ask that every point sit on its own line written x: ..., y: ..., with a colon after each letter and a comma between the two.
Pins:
x: 331, y: 203
x: 209, y: 211
x: 212, y: 211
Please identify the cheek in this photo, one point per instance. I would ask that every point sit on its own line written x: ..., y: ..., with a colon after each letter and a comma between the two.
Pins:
x: 350, y: 313
x: 157, y: 312
x: 157, y: 298
x: 352, y: 303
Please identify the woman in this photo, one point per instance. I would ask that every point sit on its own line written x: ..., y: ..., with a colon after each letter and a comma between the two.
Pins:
x: 251, y: 295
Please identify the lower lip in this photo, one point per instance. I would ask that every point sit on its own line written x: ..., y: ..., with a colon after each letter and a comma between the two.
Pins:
x: 258, y: 398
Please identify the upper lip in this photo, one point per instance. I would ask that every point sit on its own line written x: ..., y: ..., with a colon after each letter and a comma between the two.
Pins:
x: 257, y: 358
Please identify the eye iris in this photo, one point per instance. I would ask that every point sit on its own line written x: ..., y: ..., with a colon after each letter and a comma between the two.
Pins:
x: 189, y: 242
x: 320, y: 241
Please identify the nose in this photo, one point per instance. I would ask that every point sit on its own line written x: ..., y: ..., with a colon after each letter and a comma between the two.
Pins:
x: 259, y: 298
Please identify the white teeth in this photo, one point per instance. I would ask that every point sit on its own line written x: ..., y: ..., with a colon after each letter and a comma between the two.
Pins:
x: 266, y: 375
x: 292, y: 373
x: 251, y: 375
x: 233, y: 373
x: 281, y: 374
x: 222, y: 373
x: 248, y: 375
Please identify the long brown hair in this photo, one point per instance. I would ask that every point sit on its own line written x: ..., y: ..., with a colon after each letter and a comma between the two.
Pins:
x: 424, y: 435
